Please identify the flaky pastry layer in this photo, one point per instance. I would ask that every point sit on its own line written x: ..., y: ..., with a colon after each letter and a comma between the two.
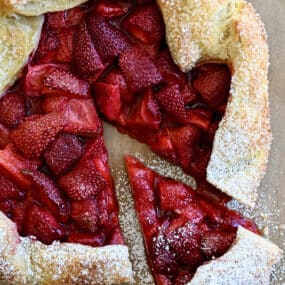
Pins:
x: 24, y: 260
x: 230, y: 31
x: 249, y: 261
x: 19, y: 36
x: 39, y: 7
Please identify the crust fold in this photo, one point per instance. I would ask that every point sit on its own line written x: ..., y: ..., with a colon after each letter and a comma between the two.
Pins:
x: 231, y: 31
x: 39, y: 7
x: 19, y: 36
x: 248, y: 261
x: 27, y: 261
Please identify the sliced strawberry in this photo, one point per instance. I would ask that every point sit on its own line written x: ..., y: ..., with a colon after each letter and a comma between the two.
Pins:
x: 189, y: 96
x: 40, y: 223
x: 145, y: 24
x: 96, y: 151
x: 171, y: 101
x: 6, y: 207
x: 111, y: 9
x: 86, y: 58
x: 199, y: 117
x: 151, y: 49
x: 115, y: 77
x: 216, y: 243
x: 198, y: 167
x: 18, y: 212
x: 164, y: 258
x: 212, y: 131
x: 83, y: 182
x: 8, y: 190
x: 64, y: 51
x: 185, y: 141
x: 33, y: 136
x: 66, y: 19
x: 94, y: 240
x: 173, y: 196
x: 4, y: 136
x: 108, y: 40
x: 60, y: 81
x: 55, y: 46
x: 192, y: 212
x: 183, y: 278
x: 80, y: 115
x: 54, y: 79
x: 213, y: 211
x: 164, y: 147
x: 142, y: 183
x: 85, y: 214
x: 210, y: 192
x: 12, y: 164
x: 13, y: 109
x: 212, y: 81
x: 116, y: 237
x: 145, y: 114
x: 161, y: 278
x: 63, y: 153
x: 49, y: 194
x: 108, y: 99
x: 186, y: 242
x: 170, y: 72
x: 138, y: 69
x: 222, y: 109
x: 143, y: 2
x: 48, y: 46
x: 233, y: 219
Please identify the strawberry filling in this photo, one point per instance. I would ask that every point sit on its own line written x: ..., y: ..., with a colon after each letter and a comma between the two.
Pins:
x: 182, y: 229
x: 54, y: 177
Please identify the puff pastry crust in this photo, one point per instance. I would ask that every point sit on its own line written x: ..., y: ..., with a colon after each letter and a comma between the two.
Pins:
x: 231, y: 31
x: 38, y: 7
x: 19, y: 36
x: 27, y: 261
x: 248, y: 261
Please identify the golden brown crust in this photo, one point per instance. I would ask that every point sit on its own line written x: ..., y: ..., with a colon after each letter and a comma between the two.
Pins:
x: 231, y: 31
x: 248, y: 261
x: 19, y: 36
x: 39, y: 7
x: 27, y: 261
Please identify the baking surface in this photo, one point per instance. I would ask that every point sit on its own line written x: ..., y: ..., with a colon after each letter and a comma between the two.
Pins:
x: 270, y: 210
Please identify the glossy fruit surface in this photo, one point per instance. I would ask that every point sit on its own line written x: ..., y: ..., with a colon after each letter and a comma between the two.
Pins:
x: 182, y: 228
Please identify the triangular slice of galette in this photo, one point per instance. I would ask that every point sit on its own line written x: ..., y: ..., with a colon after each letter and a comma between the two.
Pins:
x: 190, y: 239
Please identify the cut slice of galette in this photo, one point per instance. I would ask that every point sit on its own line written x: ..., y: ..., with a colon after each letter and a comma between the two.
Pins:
x: 190, y: 239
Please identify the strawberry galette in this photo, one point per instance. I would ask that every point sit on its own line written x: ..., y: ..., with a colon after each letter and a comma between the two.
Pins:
x: 111, y: 58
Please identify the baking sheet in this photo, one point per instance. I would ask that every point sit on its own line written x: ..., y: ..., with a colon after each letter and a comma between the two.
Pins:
x: 270, y: 210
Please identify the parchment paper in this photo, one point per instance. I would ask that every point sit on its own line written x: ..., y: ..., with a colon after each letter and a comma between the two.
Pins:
x: 270, y: 210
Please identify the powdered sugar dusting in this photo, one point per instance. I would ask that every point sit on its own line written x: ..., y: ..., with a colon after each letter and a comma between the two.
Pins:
x: 266, y: 214
x: 165, y: 168
x: 131, y: 230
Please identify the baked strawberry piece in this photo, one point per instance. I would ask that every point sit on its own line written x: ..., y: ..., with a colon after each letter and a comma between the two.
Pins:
x: 56, y: 185
x: 182, y: 229
x: 145, y: 95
